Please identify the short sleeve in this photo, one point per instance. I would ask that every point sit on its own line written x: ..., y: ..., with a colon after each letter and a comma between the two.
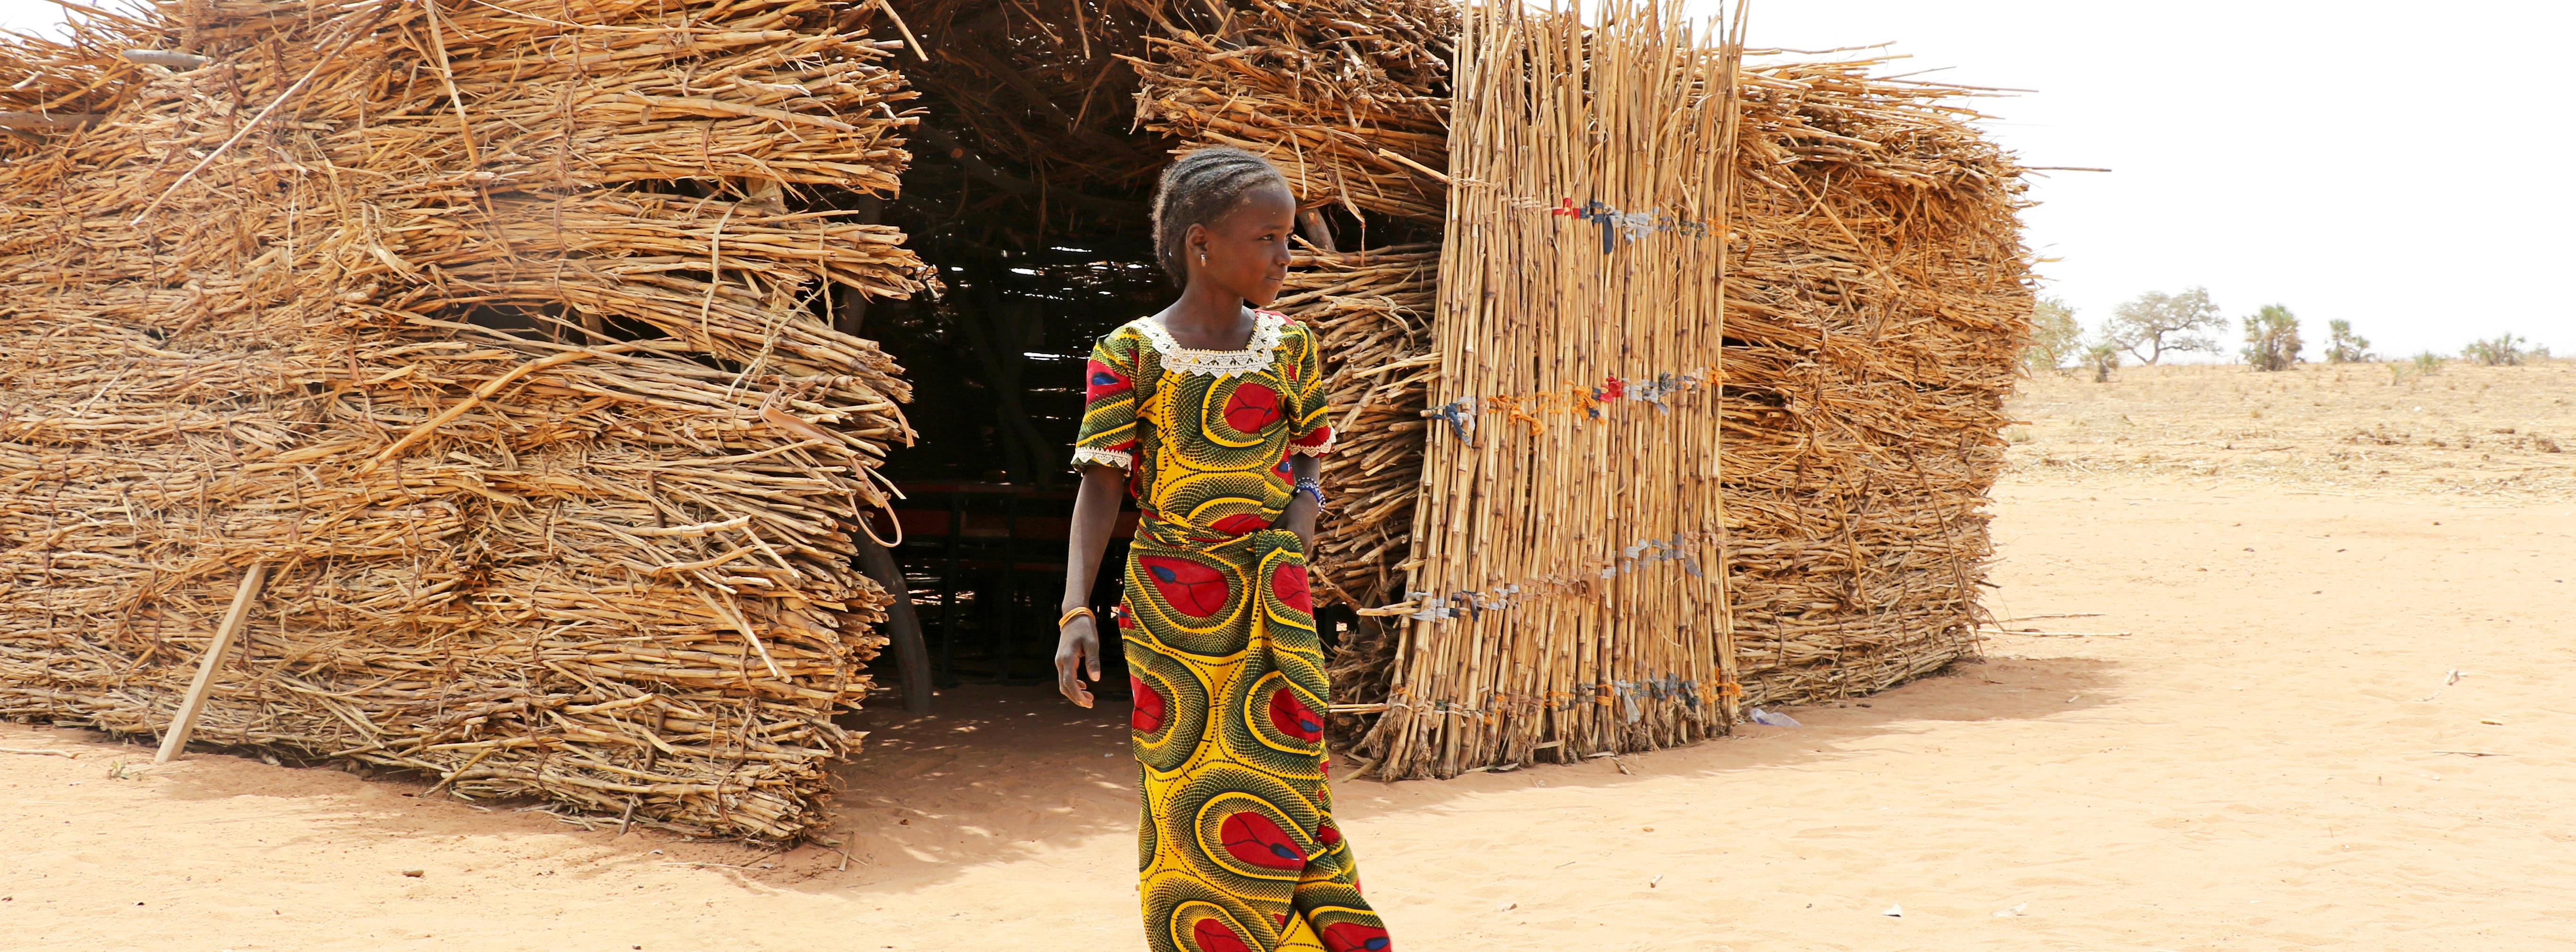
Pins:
x: 1108, y: 436
x: 1313, y: 433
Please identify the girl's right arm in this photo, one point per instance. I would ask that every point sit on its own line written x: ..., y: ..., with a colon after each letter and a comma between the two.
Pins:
x: 1095, y: 515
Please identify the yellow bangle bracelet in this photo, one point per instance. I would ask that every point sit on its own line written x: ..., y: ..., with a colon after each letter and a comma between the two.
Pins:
x: 1084, y: 611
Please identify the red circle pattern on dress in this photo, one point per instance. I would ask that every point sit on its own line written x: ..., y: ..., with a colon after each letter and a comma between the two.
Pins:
x: 1251, y: 407
x: 1293, y: 718
x: 1354, y: 937
x: 1101, y: 380
x: 1192, y: 588
x: 1214, y: 936
x: 1254, y: 839
x: 1151, y: 709
x: 1288, y: 582
x: 1241, y: 523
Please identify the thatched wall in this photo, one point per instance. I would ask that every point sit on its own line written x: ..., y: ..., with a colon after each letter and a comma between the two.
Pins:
x: 1876, y: 298
x: 496, y: 341
x: 1876, y: 290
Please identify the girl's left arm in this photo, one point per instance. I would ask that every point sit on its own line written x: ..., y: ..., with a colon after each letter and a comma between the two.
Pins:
x: 1299, y: 517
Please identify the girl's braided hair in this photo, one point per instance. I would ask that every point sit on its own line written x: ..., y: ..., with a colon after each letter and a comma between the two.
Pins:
x: 1198, y: 189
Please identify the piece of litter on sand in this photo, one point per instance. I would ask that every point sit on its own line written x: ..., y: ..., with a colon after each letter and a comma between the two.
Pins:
x: 2009, y: 913
x: 2447, y: 680
x: 1614, y: 761
x: 1650, y: 884
x: 1760, y: 716
x: 1507, y: 907
x: 1894, y: 912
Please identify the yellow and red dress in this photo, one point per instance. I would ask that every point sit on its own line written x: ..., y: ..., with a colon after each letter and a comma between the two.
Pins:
x: 1237, y: 846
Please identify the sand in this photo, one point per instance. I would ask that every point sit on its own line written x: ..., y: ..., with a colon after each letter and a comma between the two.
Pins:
x: 2257, y: 742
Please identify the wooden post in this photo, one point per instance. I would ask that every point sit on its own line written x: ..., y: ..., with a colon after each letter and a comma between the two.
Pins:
x: 903, y: 624
x: 185, y: 721
x: 1318, y: 232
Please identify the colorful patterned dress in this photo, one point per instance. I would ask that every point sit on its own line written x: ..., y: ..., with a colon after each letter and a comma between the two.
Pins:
x: 1238, y: 848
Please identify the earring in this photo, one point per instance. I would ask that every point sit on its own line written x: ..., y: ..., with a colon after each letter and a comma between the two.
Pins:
x: 1202, y: 258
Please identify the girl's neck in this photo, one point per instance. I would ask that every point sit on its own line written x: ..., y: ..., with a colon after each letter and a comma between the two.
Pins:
x: 1208, y: 319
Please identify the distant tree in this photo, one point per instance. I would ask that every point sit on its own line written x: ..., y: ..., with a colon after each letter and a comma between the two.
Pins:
x: 2343, y: 346
x: 2504, y: 351
x: 2272, y: 338
x: 2157, y: 323
x: 2054, y: 337
x: 2103, y: 356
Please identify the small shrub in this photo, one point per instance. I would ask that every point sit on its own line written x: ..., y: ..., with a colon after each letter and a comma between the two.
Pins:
x: 2504, y: 350
x: 2428, y: 362
x: 2343, y: 346
x: 2103, y: 357
x: 2272, y: 338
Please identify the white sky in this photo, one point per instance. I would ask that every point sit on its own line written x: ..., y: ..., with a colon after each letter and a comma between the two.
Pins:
x: 2403, y: 166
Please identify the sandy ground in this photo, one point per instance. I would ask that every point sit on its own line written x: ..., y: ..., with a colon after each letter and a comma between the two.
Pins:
x: 2254, y: 741
x: 2461, y: 430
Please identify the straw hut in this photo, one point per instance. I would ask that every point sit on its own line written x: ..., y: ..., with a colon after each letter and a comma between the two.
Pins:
x: 586, y: 404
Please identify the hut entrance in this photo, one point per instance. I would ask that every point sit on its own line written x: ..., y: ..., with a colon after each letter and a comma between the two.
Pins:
x: 1029, y: 195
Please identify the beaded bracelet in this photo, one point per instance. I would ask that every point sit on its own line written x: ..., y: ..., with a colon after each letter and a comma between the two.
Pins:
x: 1312, y: 487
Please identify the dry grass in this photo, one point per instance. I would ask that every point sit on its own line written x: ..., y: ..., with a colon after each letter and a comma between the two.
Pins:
x: 2351, y: 427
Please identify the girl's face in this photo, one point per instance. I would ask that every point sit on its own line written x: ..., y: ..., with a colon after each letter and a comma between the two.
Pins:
x: 1245, y: 252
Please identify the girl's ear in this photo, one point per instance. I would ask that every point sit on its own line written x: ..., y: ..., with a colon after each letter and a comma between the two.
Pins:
x: 1194, y: 245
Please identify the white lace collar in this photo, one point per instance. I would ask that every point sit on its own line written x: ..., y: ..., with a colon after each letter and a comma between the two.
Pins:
x: 1254, y: 357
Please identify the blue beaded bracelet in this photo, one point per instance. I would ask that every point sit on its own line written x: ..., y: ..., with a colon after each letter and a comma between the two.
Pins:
x: 1312, y: 487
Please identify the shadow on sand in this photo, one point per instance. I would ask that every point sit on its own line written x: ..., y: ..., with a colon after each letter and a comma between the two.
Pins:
x: 1003, y: 775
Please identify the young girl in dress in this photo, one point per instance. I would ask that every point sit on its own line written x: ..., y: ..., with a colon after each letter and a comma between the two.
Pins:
x: 1212, y: 413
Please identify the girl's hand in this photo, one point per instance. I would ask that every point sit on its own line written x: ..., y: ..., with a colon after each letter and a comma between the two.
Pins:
x: 1077, y: 650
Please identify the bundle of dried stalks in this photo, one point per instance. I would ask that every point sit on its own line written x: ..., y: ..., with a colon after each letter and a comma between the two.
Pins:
x: 1350, y: 98
x: 1876, y: 290
x: 1567, y: 599
x: 1876, y: 296
x: 1372, y: 310
x: 488, y: 329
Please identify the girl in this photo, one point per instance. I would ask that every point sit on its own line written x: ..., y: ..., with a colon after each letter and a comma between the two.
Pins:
x: 1212, y: 413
